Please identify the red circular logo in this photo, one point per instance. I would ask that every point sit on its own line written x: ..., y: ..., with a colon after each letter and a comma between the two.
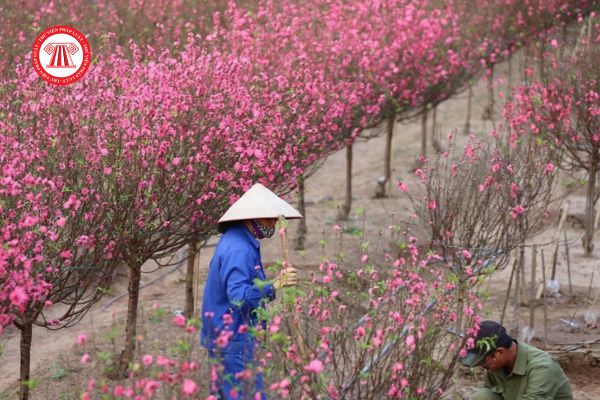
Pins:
x: 61, y: 55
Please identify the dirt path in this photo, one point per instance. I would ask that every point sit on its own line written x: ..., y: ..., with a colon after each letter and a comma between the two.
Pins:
x: 323, y: 190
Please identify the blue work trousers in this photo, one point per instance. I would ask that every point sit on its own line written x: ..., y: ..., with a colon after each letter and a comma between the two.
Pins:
x: 229, y: 385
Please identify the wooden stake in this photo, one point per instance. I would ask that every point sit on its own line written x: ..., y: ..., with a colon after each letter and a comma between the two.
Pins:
x: 597, y: 218
x: 568, y: 265
x: 561, y: 223
x: 588, y: 295
x: 523, y: 300
x: 563, y: 218
x: 545, y: 303
x: 296, y: 322
x: 197, y: 274
x: 585, y: 301
x: 516, y: 303
x: 532, y: 291
x: 510, y: 280
x: 520, y: 282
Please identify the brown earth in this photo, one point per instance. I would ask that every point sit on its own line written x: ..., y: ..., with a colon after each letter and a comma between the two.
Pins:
x: 63, y: 378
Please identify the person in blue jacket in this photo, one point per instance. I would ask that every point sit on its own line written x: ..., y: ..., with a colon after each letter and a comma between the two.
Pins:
x: 236, y: 287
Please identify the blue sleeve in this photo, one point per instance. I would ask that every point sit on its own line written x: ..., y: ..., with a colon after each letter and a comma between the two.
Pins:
x: 239, y: 277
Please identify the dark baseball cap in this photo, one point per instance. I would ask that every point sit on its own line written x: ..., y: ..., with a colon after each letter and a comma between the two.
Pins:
x: 491, y: 335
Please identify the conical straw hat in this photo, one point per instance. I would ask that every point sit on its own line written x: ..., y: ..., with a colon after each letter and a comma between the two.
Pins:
x: 259, y: 202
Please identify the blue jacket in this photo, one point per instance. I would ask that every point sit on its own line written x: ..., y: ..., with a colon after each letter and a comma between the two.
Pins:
x: 231, y: 289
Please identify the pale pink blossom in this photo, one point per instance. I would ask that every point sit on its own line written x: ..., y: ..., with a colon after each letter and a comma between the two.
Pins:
x: 227, y: 319
x: 223, y: 339
x: 18, y: 297
x: 517, y: 211
x: 189, y: 387
x: 162, y: 361
x: 360, y: 332
x: 315, y: 366
x: 397, y: 367
x: 285, y: 383
x: 179, y: 320
x: 81, y: 339
x: 410, y: 341
x: 147, y: 359
x: 150, y: 387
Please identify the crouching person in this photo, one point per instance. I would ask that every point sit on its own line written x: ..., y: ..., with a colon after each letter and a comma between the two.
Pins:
x: 514, y: 370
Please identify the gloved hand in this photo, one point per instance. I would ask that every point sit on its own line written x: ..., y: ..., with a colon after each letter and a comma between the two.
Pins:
x: 287, y: 277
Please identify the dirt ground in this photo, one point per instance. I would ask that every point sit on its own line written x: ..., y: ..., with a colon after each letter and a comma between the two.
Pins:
x: 324, y: 190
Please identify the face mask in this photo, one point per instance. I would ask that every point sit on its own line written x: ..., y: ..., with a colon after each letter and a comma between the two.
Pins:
x: 262, y: 231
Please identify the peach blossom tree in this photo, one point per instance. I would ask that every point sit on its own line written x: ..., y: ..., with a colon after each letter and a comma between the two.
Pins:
x: 562, y: 110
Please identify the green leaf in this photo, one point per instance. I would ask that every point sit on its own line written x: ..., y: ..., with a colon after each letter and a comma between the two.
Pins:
x: 104, y: 355
x: 354, y: 231
x: 363, y: 345
x: 183, y: 346
x: 57, y: 372
x: 359, y: 211
x: 487, y: 343
x: 112, y: 334
x: 103, y: 290
x: 536, y: 100
x: 31, y: 384
x: 278, y: 338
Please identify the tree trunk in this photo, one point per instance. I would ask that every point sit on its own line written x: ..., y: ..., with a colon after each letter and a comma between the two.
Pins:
x: 469, y: 103
x: 190, y: 304
x: 542, y: 63
x: 126, y: 356
x: 26, y: 338
x: 387, y: 169
x: 302, y: 229
x: 588, y: 245
x: 435, y: 143
x: 510, y: 77
x: 424, y: 133
x: 488, y: 112
x: 345, y: 210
